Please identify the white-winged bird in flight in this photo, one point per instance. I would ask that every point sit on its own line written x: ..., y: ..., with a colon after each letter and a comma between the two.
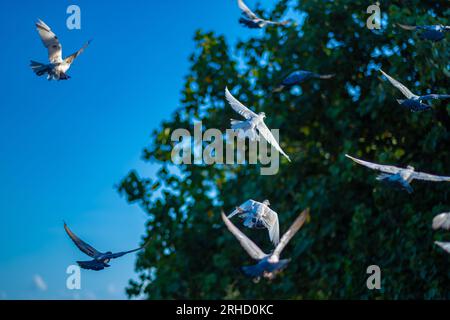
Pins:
x: 399, y: 177
x: 252, y: 123
x: 413, y: 102
x: 269, y: 265
x: 100, y: 259
x: 252, y: 21
x: 57, y: 68
x: 258, y: 215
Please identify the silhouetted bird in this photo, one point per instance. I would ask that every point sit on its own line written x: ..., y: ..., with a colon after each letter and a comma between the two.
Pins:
x: 57, y: 68
x: 297, y: 77
x: 258, y: 215
x: 413, y: 102
x: 399, y: 177
x: 101, y: 259
x: 252, y: 123
x: 269, y: 265
x: 252, y: 21
x: 432, y: 33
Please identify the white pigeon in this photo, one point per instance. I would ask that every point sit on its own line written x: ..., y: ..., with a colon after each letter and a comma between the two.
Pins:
x: 442, y: 221
x: 269, y: 265
x: 413, y: 101
x: 258, y: 215
x: 252, y: 123
x: 252, y: 21
x: 399, y: 177
x: 443, y: 245
x: 57, y: 68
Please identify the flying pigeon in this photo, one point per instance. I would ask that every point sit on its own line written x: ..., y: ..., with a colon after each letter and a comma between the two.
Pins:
x: 442, y: 221
x: 252, y: 123
x: 57, y: 68
x: 399, y: 177
x: 101, y: 259
x: 258, y: 215
x: 443, y: 245
x: 269, y: 265
x: 297, y: 77
x: 252, y: 21
x: 433, y: 33
x: 413, y: 102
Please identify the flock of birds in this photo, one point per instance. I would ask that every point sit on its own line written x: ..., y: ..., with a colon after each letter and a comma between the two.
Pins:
x: 259, y: 215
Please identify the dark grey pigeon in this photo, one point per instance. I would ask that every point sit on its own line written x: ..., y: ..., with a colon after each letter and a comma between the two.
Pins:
x: 413, y: 102
x: 101, y: 259
x: 269, y: 265
x: 297, y: 77
x: 399, y: 177
x: 432, y: 33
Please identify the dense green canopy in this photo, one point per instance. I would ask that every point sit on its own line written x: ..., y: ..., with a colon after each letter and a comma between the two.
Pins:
x: 355, y: 222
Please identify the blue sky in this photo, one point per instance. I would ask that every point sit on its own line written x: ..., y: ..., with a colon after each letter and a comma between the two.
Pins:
x: 65, y: 145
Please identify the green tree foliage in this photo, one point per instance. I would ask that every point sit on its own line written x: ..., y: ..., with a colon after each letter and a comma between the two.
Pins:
x: 355, y: 222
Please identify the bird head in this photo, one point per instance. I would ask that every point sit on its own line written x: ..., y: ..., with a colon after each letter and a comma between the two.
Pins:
x: 263, y: 115
x: 410, y: 168
x: 266, y: 202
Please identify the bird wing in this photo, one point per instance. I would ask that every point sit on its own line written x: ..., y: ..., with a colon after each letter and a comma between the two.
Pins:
x: 270, y: 221
x: 249, y: 13
x: 72, y: 57
x: 238, y: 106
x: 287, y: 236
x: 50, y: 41
x: 442, y: 221
x: 435, y: 96
x: 249, y: 246
x: 91, y: 265
x: 429, y: 177
x: 83, y: 246
x: 444, y: 245
x: 265, y: 132
x: 247, y: 205
x: 120, y: 254
x: 406, y: 27
x: 375, y: 166
x: 406, y: 92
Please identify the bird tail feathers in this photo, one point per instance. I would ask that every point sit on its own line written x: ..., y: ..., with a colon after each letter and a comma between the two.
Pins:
x: 39, y: 68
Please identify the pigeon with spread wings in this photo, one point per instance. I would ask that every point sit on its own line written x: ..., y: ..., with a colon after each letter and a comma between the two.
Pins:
x: 432, y: 33
x: 258, y: 215
x: 399, y: 177
x: 300, y: 76
x: 269, y: 265
x: 57, y: 68
x: 252, y: 21
x: 252, y: 123
x: 100, y: 259
x: 413, y: 102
